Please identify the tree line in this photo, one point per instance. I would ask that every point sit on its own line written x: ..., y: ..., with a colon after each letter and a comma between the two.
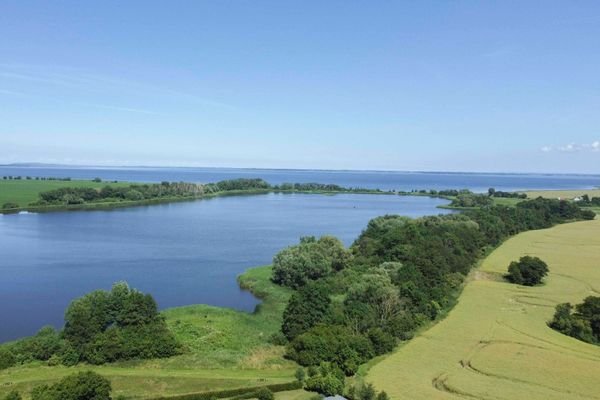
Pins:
x: 166, y: 190
x: 350, y: 305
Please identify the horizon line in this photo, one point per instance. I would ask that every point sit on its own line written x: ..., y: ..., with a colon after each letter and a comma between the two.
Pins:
x: 92, y: 166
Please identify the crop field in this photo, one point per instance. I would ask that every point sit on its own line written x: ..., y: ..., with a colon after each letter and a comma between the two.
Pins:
x: 25, y: 191
x: 224, y: 349
x: 495, y: 343
x: 563, y: 194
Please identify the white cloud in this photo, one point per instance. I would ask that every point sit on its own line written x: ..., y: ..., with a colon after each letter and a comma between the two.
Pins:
x: 573, y: 147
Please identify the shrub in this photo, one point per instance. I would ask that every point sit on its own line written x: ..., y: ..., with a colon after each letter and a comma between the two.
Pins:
x: 528, y: 271
x: 264, y: 394
x: 9, y: 205
x: 332, y: 343
x: 13, y: 395
x: 7, y: 358
x: 80, y: 386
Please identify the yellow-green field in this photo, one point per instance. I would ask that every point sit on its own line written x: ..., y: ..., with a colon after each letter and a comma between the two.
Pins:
x: 225, y: 349
x: 495, y: 343
x: 563, y: 194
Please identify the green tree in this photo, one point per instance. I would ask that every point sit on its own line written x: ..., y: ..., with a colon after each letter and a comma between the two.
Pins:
x: 528, y: 271
x: 307, y: 307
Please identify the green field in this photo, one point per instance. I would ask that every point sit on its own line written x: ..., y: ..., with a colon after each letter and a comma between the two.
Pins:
x: 563, y: 194
x: 225, y: 349
x: 23, y: 192
x: 495, y: 343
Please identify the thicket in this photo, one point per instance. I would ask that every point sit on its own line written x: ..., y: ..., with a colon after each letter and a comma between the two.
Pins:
x: 102, y: 326
x: 352, y: 304
x: 581, y: 322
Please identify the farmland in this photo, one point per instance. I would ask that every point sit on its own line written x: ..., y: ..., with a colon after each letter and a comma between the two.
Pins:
x: 495, y: 343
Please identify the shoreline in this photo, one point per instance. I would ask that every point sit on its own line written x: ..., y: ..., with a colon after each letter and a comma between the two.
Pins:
x: 166, y: 200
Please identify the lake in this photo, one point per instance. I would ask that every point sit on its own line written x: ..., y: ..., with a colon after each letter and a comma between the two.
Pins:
x: 182, y: 253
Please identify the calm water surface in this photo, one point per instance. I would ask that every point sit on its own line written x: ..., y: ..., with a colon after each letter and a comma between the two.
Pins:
x: 366, y: 179
x: 182, y: 253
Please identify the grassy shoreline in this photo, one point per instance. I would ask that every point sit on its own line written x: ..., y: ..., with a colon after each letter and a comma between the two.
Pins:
x: 224, y: 349
x: 24, y: 206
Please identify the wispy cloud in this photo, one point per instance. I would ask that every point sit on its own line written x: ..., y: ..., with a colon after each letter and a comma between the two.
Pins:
x: 573, y: 147
x: 83, y: 82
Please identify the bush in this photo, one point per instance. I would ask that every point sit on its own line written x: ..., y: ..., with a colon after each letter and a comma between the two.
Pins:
x: 9, y: 205
x: 7, y: 358
x: 264, y: 394
x: 331, y: 343
x: 80, y: 386
x: 528, y: 271
x: 13, y: 395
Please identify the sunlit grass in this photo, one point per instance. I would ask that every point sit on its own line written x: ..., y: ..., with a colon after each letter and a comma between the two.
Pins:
x: 224, y: 349
x: 495, y: 343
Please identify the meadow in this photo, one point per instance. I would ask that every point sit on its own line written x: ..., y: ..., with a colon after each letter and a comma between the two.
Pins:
x: 495, y: 343
x: 224, y: 349
x: 563, y: 194
x: 25, y: 191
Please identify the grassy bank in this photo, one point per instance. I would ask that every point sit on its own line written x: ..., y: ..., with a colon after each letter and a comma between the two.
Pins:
x: 495, y: 343
x: 25, y: 192
x: 224, y: 349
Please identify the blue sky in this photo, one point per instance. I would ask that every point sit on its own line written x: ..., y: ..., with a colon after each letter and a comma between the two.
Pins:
x: 405, y: 85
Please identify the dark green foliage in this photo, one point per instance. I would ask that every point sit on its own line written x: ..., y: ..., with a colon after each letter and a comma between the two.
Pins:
x: 328, y: 381
x: 382, y: 341
x: 7, y: 358
x: 528, y: 271
x: 306, y: 308
x: 264, y: 394
x: 309, y: 260
x: 121, y: 324
x: 511, y: 195
x: 300, y: 374
x: 13, y: 395
x: 80, y: 386
x: 471, y: 200
x: 366, y: 392
x: 9, y: 205
x: 382, y: 396
x: 583, y: 324
x: 331, y: 343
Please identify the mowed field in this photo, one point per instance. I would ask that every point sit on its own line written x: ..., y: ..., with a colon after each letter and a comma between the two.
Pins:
x: 224, y: 349
x: 25, y: 191
x: 495, y: 343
